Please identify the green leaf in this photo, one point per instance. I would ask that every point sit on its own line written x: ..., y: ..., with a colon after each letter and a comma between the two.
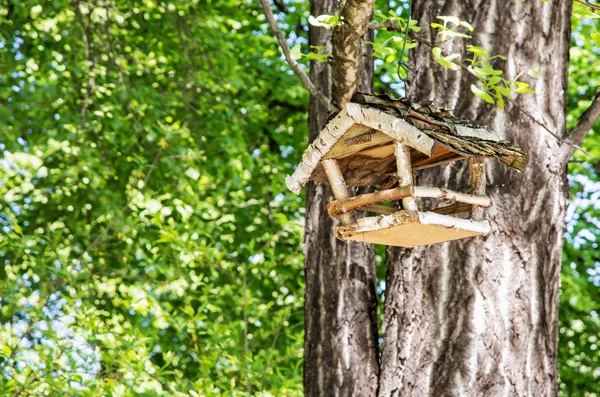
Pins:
x: 295, y: 52
x: 444, y: 61
x: 324, y: 21
x: 6, y: 349
x: 482, y: 94
x: 494, y: 80
x: 413, y: 25
x: 523, y: 88
x: 499, y: 100
x: 317, y: 56
x: 451, y: 34
x: 482, y: 52
x: 504, y: 91
x: 402, y: 73
x: 467, y: 25
x: 452, y: 19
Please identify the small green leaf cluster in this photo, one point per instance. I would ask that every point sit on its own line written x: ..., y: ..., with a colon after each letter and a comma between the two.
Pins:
x: 494, y: 88
x: 449, y: 29
x: 296, y: 53
x: 325, y: 21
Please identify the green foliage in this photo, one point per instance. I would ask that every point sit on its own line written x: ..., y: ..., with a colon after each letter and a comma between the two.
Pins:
x: 578, y: 350
x: 146, y: 247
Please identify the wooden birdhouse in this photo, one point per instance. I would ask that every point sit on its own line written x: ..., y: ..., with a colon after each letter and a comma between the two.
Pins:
x: 376, y: 141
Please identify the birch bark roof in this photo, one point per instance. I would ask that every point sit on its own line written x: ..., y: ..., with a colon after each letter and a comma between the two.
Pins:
x: 361, y: 138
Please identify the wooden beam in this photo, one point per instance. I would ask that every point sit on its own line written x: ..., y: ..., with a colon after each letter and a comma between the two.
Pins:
x: 477, y: 166
x: 405, y: 175
x: 338, y: 185
x: 446, y: 194
x: 345, y: 205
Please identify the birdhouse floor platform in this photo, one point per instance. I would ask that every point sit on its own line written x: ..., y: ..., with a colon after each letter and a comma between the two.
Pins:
x: 401, y: 230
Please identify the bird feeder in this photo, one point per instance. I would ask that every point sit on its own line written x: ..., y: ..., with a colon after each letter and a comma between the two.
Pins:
x: 380, y: 142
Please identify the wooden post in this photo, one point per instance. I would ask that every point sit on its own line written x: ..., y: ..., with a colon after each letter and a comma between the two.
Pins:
x: 477, y: 166
x: 338, y: 185
x: 405, y: 176
x: 344, y: 206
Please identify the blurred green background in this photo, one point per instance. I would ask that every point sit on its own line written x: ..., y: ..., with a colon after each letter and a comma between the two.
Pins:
x: 149, y: 245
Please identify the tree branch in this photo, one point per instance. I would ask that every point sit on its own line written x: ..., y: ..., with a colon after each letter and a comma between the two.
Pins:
x: 587, y: 4
x: 387, y: 25
x: 292, y: 62
x: 586, y: 121
x: 347, y: 48
x: 281, y: 7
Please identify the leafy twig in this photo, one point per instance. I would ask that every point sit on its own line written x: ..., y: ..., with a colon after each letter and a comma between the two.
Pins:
x: 292, y: 62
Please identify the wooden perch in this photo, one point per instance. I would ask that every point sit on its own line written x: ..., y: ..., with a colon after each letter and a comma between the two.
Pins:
x: 446, y: 194
x: 343, y: 206
x: 477, y: 166
x: 338, y: 185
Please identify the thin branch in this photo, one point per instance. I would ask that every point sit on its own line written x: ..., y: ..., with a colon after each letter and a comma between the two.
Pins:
x: 292, y: 62
x: 587, y: 4
x: 387, y: 25
x: 586, y: 121
x: 536, y: 121
x: 281, y: 7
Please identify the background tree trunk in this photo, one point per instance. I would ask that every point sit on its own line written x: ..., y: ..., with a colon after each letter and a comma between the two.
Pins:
x: 478, y: 317
x: 340, y: 349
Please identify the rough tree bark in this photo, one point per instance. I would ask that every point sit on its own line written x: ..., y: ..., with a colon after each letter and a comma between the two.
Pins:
x: 340, y: 349
x: 479, y: 317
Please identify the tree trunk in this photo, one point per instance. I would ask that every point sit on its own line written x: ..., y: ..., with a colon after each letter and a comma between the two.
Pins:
x: 340, y: 348
x: 479, y: 317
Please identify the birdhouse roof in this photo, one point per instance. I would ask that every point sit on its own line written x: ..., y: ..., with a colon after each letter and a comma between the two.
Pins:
x: 361, y: 137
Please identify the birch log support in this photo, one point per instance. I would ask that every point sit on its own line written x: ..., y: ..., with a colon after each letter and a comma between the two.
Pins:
x: 447, y: 194
x: 345, y: 205
x: 477, y: 166
x: 405, y: 176
x: 338, y: 186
